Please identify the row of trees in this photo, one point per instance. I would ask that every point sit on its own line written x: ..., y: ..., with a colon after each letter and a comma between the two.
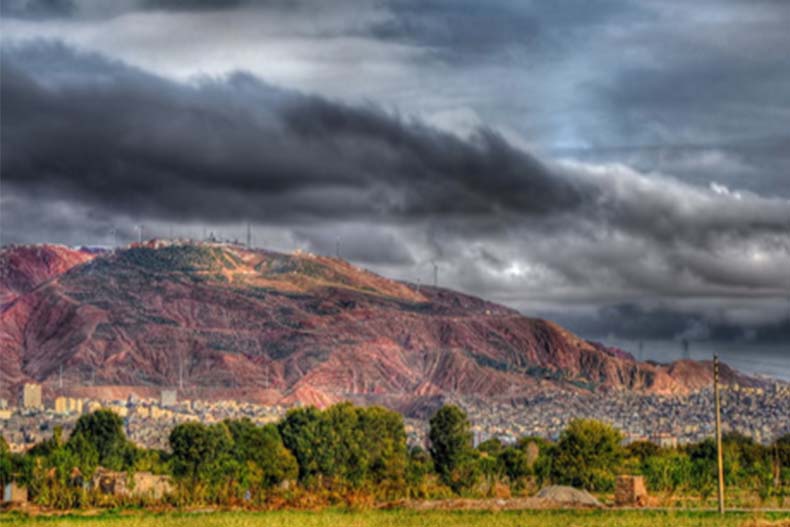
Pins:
x: 349, y: 449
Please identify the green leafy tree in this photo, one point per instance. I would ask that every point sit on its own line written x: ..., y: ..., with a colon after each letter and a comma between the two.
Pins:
x: 301, y: 434
x: 383, y: 437
x: 587, y: 455
x: 264, y: 448
x: 702, y: 456
x: 490, y: 461
x: 104, y: 430
x: 454, y: 458
x: 418, y: 467
x: 349, y: 445
x: 6, y: 464
x: 515, y: 464
x: 202, y: 459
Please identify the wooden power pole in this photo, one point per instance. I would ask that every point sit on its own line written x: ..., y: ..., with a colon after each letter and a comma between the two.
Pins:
x: 719, y: 457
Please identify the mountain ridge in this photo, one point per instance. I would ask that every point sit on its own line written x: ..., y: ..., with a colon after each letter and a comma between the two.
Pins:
x: 287, y: 328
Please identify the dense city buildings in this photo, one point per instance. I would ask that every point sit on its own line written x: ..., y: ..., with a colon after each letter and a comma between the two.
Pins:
x: 665, y: 420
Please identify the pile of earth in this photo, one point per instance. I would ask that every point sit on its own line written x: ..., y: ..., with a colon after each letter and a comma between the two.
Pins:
x: 568, y: 496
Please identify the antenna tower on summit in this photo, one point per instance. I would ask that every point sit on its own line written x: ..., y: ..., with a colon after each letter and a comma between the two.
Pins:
x: 435, y: 274
x: 249, y: 236
x: 686, y: 352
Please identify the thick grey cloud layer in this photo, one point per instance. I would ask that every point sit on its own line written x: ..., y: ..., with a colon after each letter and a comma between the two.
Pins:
x: 81, y: 125
x: 620, y: 166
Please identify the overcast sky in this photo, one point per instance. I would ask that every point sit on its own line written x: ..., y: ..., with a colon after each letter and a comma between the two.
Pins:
x: 622, y: 167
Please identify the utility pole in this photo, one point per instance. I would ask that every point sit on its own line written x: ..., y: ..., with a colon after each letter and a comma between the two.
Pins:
x: 249, y: 236
x: 686, y: 353
x: 337, y: 247
x: 435, y: 274
x: 719, y: 457
x: 140, y: 234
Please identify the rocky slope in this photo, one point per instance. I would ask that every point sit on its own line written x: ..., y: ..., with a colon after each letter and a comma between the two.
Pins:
x: 24, y: 267
x: 266, y: 326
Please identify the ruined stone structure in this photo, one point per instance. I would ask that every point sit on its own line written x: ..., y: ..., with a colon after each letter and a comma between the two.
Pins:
x: 630, y: 491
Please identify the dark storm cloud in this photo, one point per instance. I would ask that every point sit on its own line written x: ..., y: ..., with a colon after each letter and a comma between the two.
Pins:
x: 226, y: 148
x: 636, y: 322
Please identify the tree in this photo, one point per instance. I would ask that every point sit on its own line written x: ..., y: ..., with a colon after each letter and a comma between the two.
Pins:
x: 6, y: 465
x: 587, y: 455
x: 451, y: 448
x: 301, y: 434
x: 383, y: 437
x: 419, y: 465
x: 642, y: 450
x: 515, y: 464
x: 202, y: 456
x: 703, y: 466
x: 103, y: 429
x: 490, y: 462
x: 348, y: 444
x: 264, y: 448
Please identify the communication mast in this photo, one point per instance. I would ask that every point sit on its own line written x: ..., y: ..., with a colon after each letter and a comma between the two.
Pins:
x: 435, y: 274
x: 686, y: 353
x: 249, y: 236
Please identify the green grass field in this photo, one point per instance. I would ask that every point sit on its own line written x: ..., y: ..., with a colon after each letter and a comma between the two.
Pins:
x: 410, y: 518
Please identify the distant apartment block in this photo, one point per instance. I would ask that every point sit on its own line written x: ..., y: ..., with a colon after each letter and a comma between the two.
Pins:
x: 31, y: 396
x: 68, y: 405
x: 169, y: 398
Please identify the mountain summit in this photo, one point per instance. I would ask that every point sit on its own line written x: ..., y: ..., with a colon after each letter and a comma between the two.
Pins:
x: 225, y: 321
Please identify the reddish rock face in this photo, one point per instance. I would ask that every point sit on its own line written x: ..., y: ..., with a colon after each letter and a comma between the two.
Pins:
x: 24, y: 267
x: 272, y: 327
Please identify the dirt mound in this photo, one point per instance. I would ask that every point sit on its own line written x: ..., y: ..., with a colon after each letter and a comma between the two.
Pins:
x: 569, y: 496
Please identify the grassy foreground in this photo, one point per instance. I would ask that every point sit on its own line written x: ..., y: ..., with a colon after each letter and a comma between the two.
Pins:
x: 409, y: 518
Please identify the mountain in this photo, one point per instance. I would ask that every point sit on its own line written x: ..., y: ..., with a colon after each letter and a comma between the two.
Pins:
x: 232, y: 322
